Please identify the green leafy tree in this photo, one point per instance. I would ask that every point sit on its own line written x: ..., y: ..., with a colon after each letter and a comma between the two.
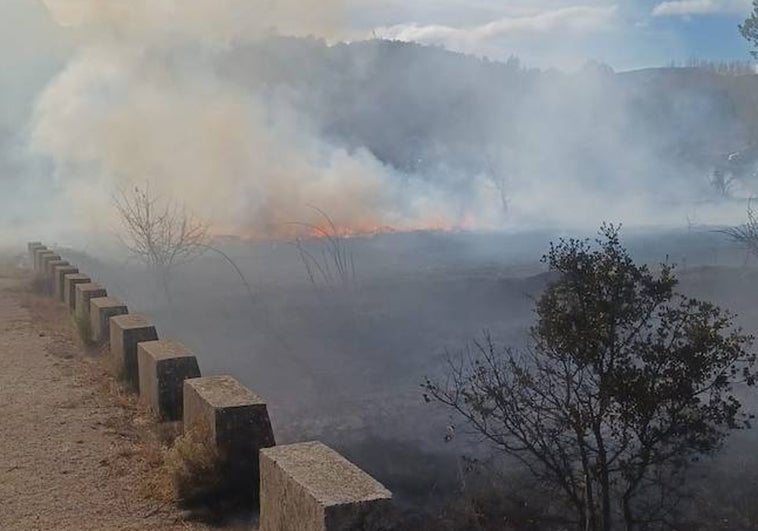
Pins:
x: 749, y: 29
x: 625, y: 384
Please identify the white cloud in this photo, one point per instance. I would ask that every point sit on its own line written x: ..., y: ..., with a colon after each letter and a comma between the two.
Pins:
x: 557, y: 36
x: 701, y: 7
x: 582, y: 19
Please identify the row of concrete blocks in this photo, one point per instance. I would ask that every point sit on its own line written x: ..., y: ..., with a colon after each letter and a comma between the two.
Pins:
x: 305, y: 486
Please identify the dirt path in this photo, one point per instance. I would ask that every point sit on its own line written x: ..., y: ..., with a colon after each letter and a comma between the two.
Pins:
x: 75, y: 452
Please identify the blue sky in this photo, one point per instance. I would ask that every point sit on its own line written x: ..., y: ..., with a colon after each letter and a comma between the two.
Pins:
x: 566, y: 33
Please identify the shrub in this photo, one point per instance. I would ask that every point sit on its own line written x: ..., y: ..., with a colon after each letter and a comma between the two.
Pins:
x: 195, y: 467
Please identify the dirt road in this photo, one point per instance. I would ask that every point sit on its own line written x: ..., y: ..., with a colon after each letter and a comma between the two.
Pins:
x: 75, y: 452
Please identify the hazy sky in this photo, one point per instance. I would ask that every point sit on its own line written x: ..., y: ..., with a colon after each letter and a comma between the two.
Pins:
x: 564, y: 33
x: 545, y: 33
x: 625, y: 33
x: 33, y: 50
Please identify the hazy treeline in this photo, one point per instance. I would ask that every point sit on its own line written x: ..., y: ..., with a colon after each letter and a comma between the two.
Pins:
x: 726, y: 68
x: 429, y: 110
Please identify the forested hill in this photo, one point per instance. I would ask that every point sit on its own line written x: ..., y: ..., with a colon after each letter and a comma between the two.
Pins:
x: 423, y: 109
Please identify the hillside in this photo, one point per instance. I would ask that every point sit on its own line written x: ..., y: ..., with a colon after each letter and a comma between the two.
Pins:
x: 445, y: 115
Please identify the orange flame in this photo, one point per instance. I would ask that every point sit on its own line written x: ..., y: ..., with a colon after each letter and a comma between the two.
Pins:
x: 324, y: 229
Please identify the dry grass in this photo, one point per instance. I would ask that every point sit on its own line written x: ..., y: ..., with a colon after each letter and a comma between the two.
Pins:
x: 195, y: 467
x: 141, y: 443
x: 52, y: 321
x: 144, y: 441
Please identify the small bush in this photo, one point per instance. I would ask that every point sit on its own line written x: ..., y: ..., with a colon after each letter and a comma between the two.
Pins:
x: 196, y: 468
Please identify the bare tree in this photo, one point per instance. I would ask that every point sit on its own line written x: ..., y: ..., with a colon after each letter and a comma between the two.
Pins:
x: 499, y: 181
x: 333, y: 264
x: 746, y: 235
x: 160, y: 233
x: 723, y: 181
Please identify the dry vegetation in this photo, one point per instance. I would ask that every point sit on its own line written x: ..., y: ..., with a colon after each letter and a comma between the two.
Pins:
x: 174, y: 468
x: 194, y: 467
x: 145, y: 451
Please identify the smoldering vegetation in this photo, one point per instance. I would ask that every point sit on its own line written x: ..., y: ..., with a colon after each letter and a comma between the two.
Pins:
x: 344, y: 363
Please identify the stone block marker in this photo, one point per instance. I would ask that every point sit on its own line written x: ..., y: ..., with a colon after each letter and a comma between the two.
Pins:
x: 84, y: 293
x: 310, y: 487
x: 59, y: 273
x: 50, y: 274
x: 163, y: 367
x: 238, y: 424
x: 52, y: 264
x: 45, y: 260
x: 69, y: 288
x: 39, y: 254
x: 33, y: 253
x: 101, y: 309
x: 33, y: 246
x: 126, y: 331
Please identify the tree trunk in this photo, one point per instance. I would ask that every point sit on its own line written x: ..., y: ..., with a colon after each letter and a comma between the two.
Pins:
x: 627, y: 508
x: 589, y: 515
x: 605, y: 483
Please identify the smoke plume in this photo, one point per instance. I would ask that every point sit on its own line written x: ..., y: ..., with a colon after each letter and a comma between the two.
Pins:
x: 207, y: 102
x: 142, y: 102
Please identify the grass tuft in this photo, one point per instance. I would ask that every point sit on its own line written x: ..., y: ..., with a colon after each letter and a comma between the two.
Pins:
x: 195, y: 467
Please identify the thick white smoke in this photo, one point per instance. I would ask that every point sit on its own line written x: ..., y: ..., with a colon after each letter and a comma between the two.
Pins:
x: 185, y: 95
x: 141, y: 102
x: 216, y: 22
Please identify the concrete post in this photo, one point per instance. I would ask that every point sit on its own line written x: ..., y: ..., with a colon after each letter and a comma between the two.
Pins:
x: 163, y: 367
x: 33, y: 246
x: 38, y: 254
x: 69, y: 288
x: 45, y: 259
x: 59, y: 274
x: 50, y: 274
x: 310, y: 487
x: 85, y: 292
x: 51, y: 264
x: 126, y: 331
x: 101, y: 309
x: 239, y: 426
